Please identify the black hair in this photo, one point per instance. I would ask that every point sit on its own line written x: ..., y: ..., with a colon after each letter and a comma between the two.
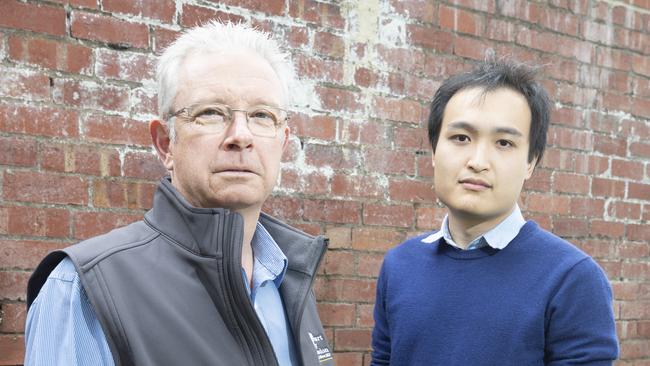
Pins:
x: 491, y: 75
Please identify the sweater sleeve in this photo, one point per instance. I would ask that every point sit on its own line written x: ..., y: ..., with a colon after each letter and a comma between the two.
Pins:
x: 580, y: 327
x: 381, y: 331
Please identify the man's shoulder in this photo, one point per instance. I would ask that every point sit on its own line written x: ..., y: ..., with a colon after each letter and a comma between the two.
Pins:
x: 116, y: 240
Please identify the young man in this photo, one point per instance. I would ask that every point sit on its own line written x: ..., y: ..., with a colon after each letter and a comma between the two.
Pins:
x: 205, y: 278
x: 490, y: 288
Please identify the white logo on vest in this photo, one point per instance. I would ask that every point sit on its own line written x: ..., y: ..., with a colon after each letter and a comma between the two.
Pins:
x: 323, y: 352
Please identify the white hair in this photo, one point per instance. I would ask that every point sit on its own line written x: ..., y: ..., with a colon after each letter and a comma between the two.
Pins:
x: 217, y: 38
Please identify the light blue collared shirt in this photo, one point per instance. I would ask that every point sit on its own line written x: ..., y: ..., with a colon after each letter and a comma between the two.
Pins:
x: 497, y: 238
x: 62, y: 328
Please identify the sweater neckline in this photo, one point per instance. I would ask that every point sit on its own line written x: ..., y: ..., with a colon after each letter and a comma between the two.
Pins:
x: 486, y: 251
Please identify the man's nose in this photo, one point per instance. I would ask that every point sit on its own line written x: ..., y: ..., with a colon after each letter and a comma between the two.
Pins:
x: 238, y: 135
x: 479, y: 158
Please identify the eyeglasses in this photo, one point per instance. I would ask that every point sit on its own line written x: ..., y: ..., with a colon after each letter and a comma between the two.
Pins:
x: 262, y: 120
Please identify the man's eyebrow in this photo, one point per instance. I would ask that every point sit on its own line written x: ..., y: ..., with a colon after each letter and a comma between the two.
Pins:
x: 462, y: 125
x: 509, y: 131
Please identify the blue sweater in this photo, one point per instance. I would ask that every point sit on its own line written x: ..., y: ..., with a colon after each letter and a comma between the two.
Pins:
x: 539, y: 301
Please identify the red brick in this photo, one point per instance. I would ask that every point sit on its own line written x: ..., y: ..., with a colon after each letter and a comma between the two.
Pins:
x: 123, y: 194
x: 320, y: 126
x: 144, y: 165
x: 13, y: 285
x: 401, y: 110
x: 501, y: 30
x: 627, y: 169
x: 33, y: 221
x: 410, y: 137
x: 318, y: 69
x: 352, y: 339
x: 144, y: 101
x: 365, y: 77
x: 571, y: 139
x: 366, y: 132
x: 471, y: 48
x: 405, y: 59
x: 422, y: 10
x: 314, y: 183
x: 357, y: 186
x: 344, y: 290
x: 116, y: 130
x: 570, y: 227
x: 369, y: 264
x: 614, y: 58
x: 624, y: 210
x: 590, y: 164
x: 388, y: 215
x: 335, y: 157
x: 539, y: 40
x: 84, y: 159
x: 24, y: 84
x: 163, y: 37
x: 13, y: 316
x: 339, y: 236
x: 17, y: 151
x: 640, y: 149
x: 638, y: 191
x: 339, y: 99
x: 375, y: 239
x: 195, y: 15
x: 348, y: 358
x: 101, y: 28
x: 560, y: 21
x: 339, y: 263
x: 317, y: 12
x: 332, y: 211
x: 607, y: 228
x: 634, y: 128
x: 328, y: 44
x: 25, y: 254
x: 635, y: 310
x: 430, y: 38
x: 74, y: 58
x: 390, y: 161
x: 366, y: 319
x: 12, y: 349
x: 607, y: 187
x: 567, y: 116
x: 633, y: 250
x: 425, y: 169
x: 45, y: 188
x: 38, y: 18
x: 459, y: 20
x: 123, y: 65
x: 598, y: 248
x: 548, y: 203
x: 411, y: 191
x: 38, y: 120
x: 641, y: 107
x: 570, y: 183
x: 91, y: 95
x: 337, y: 314
x: 613, y: 102
x: 162, y: 10
x: 638, y: 232
x: 590, y: 207
x: 429, y: 218
x: 91, y: 4
x: 297, y: 36
x: 284, y: 208
x: 635, y: 270
x: 625, y: 290
x: 540, y: 181
x: 89, y: 224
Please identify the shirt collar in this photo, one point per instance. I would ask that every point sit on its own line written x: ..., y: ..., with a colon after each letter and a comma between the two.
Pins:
x: 497, y: 238
x: 270, y: 263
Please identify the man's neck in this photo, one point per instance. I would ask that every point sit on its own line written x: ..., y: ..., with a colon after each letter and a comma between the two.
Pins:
x: 464, y: 228
x: 250, y: 216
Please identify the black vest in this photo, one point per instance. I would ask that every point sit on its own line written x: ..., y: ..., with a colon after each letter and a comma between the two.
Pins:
x: 168, y: 290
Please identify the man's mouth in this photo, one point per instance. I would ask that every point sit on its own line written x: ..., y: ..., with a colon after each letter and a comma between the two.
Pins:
x: 475, y: 184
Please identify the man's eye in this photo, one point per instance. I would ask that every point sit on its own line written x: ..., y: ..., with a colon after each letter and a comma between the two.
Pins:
x: 262, y: 114
x: 211, y: 112
x: 505, y: 143
x: 460, y: 138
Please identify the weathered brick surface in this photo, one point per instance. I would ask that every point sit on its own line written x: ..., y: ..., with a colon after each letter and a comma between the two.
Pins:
x: 76, y: 91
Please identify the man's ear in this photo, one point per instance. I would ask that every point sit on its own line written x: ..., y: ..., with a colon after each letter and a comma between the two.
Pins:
x: 530, y: 168
x: 286, y: 131
x: 162, y: 143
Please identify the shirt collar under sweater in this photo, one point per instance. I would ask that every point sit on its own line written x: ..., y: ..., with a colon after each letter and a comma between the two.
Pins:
x: 497, y: 238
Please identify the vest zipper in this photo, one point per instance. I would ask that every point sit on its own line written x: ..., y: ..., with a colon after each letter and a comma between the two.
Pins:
x: 256, y: 344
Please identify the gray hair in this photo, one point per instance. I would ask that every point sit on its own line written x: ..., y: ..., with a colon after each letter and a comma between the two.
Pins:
x: 216, y: 37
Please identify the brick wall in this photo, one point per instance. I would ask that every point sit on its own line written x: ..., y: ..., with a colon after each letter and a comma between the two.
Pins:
x: 76, y: 92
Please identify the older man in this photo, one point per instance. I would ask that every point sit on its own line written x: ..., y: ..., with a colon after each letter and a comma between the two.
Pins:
x: 205, y: 277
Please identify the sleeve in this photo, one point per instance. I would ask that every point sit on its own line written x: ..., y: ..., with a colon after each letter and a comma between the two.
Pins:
x: 580, y: 319
x: 62, y: 328
x: 381, y: 331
